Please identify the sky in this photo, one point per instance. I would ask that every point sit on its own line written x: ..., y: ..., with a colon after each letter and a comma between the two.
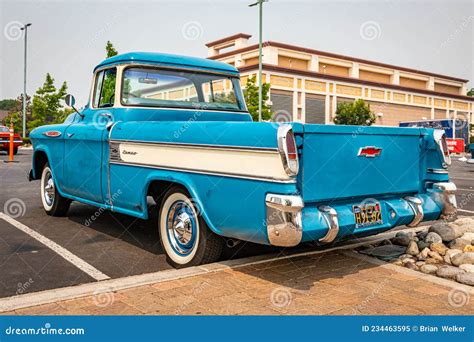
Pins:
x: 67, y: 38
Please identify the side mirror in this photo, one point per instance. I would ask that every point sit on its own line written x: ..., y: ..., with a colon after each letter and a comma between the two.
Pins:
x: 70, y: 100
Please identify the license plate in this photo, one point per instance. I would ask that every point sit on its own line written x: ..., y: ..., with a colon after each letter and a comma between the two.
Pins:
x: 368, y: 214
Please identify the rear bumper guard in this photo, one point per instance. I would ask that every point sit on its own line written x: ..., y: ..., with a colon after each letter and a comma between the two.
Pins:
x: 416, y: 205
x: 330, y: 216
x: 284, y: 219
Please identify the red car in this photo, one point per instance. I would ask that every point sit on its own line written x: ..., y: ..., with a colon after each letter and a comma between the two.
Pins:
x: 5, y: 140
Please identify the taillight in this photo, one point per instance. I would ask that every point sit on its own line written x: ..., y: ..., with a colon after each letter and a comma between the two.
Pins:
x: 440, y: 139
x: 288, y: 150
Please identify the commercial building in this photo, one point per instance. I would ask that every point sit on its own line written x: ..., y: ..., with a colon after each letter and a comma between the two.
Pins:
x: 308, y: 84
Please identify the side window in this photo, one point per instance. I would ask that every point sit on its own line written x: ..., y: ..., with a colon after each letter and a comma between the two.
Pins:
x: 104, y: 88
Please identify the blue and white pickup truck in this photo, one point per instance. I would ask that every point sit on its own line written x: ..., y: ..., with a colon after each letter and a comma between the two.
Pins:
x: 176, y: 129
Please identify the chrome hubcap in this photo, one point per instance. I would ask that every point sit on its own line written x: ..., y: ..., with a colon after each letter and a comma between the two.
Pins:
x: 181, y: 224
x: 48, y: 190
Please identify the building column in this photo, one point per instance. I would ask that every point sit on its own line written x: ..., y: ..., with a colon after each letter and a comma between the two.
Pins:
x: 354, y: 71
x: 396, y: 77
x: 431, y: 83
x: 314, y: 63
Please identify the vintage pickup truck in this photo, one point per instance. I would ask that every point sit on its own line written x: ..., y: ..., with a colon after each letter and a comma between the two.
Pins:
x: 176, y: 129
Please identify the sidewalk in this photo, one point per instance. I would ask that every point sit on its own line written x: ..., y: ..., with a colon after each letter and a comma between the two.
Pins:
x: 334, y: 283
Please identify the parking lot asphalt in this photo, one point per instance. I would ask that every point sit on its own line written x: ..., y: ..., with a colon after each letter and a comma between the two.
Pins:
x: 114, y: 245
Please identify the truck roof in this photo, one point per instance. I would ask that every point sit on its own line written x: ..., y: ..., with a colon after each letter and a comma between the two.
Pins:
x: 168, y: 60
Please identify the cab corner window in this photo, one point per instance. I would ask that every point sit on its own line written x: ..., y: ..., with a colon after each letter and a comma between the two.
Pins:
x: 104, y: 88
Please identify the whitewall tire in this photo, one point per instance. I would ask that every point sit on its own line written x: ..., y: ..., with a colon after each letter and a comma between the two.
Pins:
x: 184, y: 235
x: 53, y: 203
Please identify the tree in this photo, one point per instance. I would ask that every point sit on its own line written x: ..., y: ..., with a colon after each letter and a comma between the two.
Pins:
x: 354, y: 113
x: 251, y: 98
x: 7, y: 104
x: 110, y: 50
x: 46, y: 107
x: 470, y: 92
x: 16, y: 113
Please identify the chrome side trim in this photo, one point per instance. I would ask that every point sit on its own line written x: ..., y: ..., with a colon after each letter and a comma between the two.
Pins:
x: 331, y: 218
x: 438, y: 171
x: 447, y: 198
x: 200, y: 146
x: 416, y: 206
x: 204, y: 172
x: 284, y: 219
x: 109, y: 190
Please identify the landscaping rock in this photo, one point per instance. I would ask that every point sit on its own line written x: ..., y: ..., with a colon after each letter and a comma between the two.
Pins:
x: 422, y: 245
x: 468, y: 236
x: 465, y: 278
x: 435, y: 255
x: 464, y: 220
x: 452, y: 252
x: 419, y: 263
x: 446, y: 231
x: 402, y: 240
x: 449, y: 272
x: 385, y: 242
x: 412, y: 248
x: 467, y: 267
x: 447, y: 259
x: 433, y: 237
x: 422, y: 234
x: 429, y: 269
x: 463, y: 258
x: 411, y: 266
x: 459, y: 243
x: 423, y: 255
x: 468, y: 248
x: 439, y: 248
x: 432, y: 261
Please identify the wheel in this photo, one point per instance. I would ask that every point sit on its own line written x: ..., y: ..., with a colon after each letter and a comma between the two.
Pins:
x: 53, y: 203
x: 184, y: 235
x: 15, y: 150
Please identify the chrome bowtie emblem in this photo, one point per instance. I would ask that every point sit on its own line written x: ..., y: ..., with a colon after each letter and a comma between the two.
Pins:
x: 369, y: 152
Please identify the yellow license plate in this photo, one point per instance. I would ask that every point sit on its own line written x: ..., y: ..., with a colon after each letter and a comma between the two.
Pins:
x: 368, y: 214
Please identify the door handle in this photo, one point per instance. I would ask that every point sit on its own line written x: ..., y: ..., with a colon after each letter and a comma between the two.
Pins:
x: 69, y: 135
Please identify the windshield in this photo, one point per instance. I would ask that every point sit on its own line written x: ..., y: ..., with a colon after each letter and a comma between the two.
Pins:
x: 181, y: 89
x: 3, y: 129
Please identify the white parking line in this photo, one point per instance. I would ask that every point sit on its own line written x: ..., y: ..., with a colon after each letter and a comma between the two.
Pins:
x: 466, y: 211
x: 61, y: 251
x: 465, y: 189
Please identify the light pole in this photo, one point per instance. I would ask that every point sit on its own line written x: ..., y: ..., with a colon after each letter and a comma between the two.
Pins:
x: 25, y: 28
x: 260, y: 25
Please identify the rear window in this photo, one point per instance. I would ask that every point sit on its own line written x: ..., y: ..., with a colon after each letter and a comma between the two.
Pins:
x: 181, y: 89
x: 4, y: 129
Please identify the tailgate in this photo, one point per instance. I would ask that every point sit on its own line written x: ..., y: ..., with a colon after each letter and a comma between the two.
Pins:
x: 334, y: 169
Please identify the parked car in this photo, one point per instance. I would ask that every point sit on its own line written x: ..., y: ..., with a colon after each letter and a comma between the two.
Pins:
x: 177, y: 129
x: 5, y: 140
